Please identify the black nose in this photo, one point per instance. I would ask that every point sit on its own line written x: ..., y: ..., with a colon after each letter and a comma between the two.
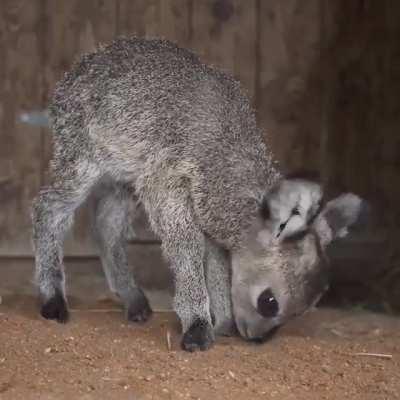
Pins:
x: 267, y: 305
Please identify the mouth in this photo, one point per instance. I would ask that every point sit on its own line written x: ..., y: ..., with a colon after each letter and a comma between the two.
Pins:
x: 259, y: 339
x: 266, y: 337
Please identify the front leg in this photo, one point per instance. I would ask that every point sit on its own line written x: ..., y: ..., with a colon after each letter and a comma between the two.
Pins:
x: 184, y: 246
x: 218, y: 276
x: 191, y: 301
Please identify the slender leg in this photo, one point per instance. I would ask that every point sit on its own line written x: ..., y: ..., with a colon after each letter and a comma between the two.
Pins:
x: 53, y: 213
x: 170, y: 215
x: 111, y: 228
x: 218, y: 276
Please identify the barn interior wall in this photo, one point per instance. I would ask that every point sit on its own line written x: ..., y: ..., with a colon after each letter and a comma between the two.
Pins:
x: 323, y: 77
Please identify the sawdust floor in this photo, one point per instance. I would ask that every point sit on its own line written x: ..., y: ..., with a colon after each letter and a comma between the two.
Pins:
x: 97, y: 355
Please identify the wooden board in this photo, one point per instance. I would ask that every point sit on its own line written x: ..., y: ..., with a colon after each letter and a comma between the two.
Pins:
x: 138, y: 17
x: 175, y: 21
x: 21, y: 89
x: 255, y: 40
x: 288, y: 92
x: 169, y: 19
x: 224, y: 33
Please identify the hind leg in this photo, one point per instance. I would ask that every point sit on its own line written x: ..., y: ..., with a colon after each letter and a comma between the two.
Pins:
x: 111, y: 228
x: 218, y: 277
x: 53, y: 212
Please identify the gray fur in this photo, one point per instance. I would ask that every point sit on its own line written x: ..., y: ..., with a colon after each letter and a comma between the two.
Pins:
x: 111, y: 229
x: 292, y: 203
x: 153, y: 119
x: 218, y: 279
x: 147, y: 120
x: 295, y: 268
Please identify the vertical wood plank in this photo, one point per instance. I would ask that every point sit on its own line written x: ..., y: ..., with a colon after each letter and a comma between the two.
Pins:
x: 169, y: 19
x: 175, y: 21
x: 224, y: 33
x: 361, y: 149
x: 21, y: 89
x: 138, y: 17
x: 75, y: 27
x: 289, y: 80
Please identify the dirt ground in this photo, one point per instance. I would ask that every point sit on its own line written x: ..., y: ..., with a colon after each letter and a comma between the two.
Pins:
x: 97, y: 355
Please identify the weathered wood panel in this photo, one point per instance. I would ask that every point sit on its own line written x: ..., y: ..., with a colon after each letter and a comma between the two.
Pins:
x: 224, y: 34
x: 169, y: 19
x: 288, y: 96
x: 175, y: 21
x: 139, y: 17
x: 323, y: 75
x: 231, y: 34
x: 21, y: 89
x: 361, y: 151
x: 74, y: 27
x: 362, y: 55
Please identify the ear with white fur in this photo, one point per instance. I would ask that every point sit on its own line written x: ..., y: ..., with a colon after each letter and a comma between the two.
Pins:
x: 338, y: 215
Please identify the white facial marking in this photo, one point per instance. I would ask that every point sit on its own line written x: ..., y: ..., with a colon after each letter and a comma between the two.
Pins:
x: 291, y: 205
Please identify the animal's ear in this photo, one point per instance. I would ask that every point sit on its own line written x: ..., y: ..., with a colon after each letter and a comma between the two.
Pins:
x: 338, y: 215
x: 292, y: 195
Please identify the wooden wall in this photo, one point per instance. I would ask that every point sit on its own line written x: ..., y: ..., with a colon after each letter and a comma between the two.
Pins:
x: 323, y: 76
x: 40, y: 38
x: 360, y: 139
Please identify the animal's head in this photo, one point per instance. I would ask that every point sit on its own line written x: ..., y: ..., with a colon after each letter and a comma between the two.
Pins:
x: 281, y: 271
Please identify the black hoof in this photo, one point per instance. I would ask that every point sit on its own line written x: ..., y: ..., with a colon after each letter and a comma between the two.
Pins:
x: 55, y: 308
x: 138, y: 309
x: 199, y: 336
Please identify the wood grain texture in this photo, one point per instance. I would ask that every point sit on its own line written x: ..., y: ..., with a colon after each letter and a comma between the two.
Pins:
x: 169, y: 19
x: 323, y: 74
x: 288, y: 82
x: 138, y: 17
x: 361, y: 150
x: 363, y: 52
x: 224, y: 34
x: 175, y: 20
x: 21, y: 86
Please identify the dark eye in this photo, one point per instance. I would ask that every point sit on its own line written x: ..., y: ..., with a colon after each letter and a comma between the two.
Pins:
x: 267, y: 305
x: 295, y: 211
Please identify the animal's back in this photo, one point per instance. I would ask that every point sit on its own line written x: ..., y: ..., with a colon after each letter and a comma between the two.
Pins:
x: 141, y: 106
